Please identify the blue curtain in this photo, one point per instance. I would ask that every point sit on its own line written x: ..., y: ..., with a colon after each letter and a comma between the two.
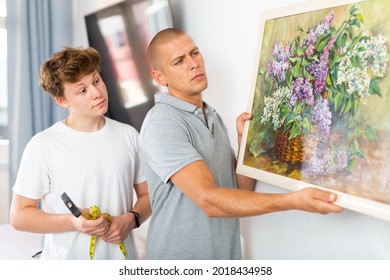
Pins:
x: 35, y: 29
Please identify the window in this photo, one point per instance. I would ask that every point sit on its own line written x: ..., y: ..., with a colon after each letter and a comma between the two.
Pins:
x: 3, y: 71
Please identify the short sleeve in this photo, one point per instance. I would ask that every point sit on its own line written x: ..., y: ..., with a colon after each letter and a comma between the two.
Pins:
x: 33, y: 179
x: 139, y: 176
x: 166, y: 146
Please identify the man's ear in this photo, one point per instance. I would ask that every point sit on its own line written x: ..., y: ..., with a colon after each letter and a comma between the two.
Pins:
x: 159, y: 78
x: 61, y: 101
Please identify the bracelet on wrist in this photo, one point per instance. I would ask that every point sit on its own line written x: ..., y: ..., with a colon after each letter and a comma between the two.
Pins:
x: 137, y: 218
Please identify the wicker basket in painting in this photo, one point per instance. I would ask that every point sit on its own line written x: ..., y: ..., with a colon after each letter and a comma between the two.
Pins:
x: 295, y: 150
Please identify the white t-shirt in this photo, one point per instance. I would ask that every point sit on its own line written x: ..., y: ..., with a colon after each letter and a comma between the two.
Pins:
x: 95, y: 168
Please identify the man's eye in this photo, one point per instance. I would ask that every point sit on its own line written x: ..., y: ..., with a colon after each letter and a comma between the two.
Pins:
x: 179, y: 61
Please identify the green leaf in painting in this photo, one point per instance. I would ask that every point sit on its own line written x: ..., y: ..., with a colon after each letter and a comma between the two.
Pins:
x: 369, y: 133
x: 296, y: 71
x: 295, y: 130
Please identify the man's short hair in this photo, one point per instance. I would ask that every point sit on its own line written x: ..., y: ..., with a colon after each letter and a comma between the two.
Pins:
x: 160, y: 38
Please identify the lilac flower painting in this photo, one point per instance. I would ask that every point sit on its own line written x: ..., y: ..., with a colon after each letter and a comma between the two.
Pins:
x: 320, y: 103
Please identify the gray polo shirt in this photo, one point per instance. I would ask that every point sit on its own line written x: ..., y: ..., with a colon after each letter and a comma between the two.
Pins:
x: 173, y: 135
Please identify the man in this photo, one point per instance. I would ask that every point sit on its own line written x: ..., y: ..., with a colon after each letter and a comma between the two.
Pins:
x: 195, y: 193
x: 94, y: 159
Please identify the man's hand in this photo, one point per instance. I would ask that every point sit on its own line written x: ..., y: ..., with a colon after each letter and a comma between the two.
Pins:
x: 315, y: 200
x: 240, y: 122
x: 243, y: 182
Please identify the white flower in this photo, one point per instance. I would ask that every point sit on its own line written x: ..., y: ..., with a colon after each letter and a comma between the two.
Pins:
x: 373, y: 56
x: 271, y: 106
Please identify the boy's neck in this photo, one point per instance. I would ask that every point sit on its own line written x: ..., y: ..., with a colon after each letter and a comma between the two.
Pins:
x: 85, y: 125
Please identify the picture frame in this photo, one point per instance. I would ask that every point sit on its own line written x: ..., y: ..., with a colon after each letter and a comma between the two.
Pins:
x: 318, y: 98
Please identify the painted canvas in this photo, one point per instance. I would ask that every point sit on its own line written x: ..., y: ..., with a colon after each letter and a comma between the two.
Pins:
x: 320, y: 100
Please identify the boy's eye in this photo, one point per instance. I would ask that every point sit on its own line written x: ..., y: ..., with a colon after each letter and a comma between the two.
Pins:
x: 84, y: 90
x: 96, y: 81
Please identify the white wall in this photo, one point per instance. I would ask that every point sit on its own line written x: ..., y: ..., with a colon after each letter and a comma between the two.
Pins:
x: 226, y: 32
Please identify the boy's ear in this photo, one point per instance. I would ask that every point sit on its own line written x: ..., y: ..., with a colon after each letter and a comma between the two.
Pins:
x: 159, y: 78
x: 61, y: 101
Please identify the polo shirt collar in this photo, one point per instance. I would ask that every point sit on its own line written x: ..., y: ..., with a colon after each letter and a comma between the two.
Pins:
x: 170, y: 100
x: 180, y: 104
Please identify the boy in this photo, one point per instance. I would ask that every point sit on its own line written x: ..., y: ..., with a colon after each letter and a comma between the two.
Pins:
x: 92, y: 158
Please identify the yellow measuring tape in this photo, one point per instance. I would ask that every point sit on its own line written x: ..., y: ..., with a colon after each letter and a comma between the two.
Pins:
x: 94, y: 213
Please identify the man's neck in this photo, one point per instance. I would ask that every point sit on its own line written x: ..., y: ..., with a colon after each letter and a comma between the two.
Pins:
x: 195, y: 99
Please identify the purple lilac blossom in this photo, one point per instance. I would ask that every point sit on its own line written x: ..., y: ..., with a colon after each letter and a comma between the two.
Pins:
x: 320, y: 70
x: 341, y: 158
x: 320, y: 163
x: 277, y: 69
x: 313, y: 33
x: 303, y: 90
x: 322, y: 117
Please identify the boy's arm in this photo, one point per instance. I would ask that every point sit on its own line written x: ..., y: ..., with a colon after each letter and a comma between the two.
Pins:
x: 26, y: 216
x: 122, y: 225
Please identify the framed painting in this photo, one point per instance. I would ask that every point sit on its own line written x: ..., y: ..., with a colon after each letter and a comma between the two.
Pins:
x: 320, y: 99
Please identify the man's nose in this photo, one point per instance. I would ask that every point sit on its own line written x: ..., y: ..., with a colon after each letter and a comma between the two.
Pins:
x: 193, y: 63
